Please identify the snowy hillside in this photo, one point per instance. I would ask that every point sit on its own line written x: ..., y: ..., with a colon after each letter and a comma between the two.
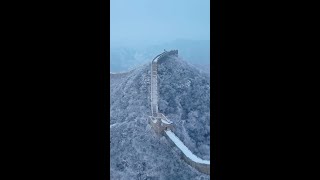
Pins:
x: 136, y: 153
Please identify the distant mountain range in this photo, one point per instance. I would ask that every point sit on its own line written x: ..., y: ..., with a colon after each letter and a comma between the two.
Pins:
x: 196, y: 52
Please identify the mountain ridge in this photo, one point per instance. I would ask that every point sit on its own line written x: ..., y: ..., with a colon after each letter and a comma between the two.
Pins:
x: 133, y: 143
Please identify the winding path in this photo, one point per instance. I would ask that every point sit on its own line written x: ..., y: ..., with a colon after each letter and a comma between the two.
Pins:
x: 164, y: 126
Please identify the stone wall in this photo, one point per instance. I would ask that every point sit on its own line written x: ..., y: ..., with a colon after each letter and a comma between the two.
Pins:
x: 160, y: 123
x: 204, y: 168
x: 158, y: 126
x: 166, y: 53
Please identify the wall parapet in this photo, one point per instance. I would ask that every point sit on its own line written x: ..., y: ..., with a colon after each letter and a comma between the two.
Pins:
x: 191, y: 159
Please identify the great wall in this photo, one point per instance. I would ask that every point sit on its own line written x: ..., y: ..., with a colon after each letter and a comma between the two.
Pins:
x: 164, y: 127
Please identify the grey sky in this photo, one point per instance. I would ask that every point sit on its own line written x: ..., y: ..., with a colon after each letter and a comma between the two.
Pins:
x: 143, y: 22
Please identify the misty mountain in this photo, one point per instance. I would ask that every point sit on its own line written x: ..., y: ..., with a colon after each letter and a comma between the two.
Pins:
x: 136, y: 151
x: 196, y: 52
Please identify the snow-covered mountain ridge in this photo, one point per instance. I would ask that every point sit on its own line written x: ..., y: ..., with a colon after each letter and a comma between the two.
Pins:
x: 185, y: 99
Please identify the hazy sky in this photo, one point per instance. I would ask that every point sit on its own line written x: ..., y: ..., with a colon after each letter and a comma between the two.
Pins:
x: 156, y: 21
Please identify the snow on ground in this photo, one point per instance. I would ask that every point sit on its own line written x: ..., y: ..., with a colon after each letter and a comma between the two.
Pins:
x: 135, y: 151
x: 112, y: 125
x: 184, y: 149
x: 166, y: 122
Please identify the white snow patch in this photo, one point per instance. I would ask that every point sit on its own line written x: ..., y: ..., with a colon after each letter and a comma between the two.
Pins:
x: 112, y: 125
x: 184, y: 149
x: 166, y: 122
